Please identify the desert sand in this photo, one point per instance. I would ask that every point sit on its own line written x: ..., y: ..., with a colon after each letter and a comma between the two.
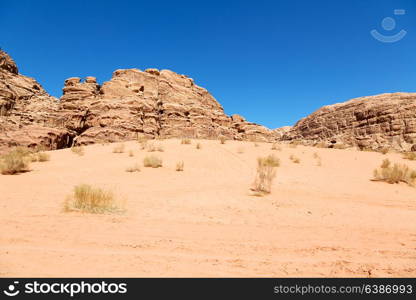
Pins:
x: 329, y: 220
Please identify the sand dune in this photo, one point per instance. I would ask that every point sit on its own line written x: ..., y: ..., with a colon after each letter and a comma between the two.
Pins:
x: 327, y: 220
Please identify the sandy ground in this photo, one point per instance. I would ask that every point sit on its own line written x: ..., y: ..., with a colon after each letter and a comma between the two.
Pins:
x: 328, y: 220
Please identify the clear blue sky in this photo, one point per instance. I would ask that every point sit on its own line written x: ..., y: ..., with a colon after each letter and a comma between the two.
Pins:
x: 273, y: 62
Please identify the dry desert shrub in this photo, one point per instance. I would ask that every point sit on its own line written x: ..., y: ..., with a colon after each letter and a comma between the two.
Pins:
x: 186, y: 141
x: 240, y: 150
x: 15, y: 162
x: 151, y: 147
x: 384, y: 151
x: 321, y: 145
x: 294, y: 159
x: 276, y: 147
x: 118, y: 149
x: 142, y: 141
x: 86, y: 198
x: 198, y: 146
x: 266, y: 172
x: 131, y: 153
x: 318, y: 159
x: 409, y: 155
x: 223, y: 139
x: 385, y: 164
x: 134, y: 168
x: 42, y: 157
x: 152, y: 161
x: 78, y: 150
x: 179, y: 166
x: 395, y: 174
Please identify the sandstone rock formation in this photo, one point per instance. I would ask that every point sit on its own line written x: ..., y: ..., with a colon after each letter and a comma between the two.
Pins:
x: 133, y: 103
x: 26, y: 111
x: 148, y: 103
x: 375, y: 122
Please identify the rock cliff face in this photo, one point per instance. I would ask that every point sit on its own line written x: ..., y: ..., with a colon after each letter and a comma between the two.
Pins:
x: 133, y: 103
x: 148, y: 103
x: 375, y: 122
x: 27, y: 112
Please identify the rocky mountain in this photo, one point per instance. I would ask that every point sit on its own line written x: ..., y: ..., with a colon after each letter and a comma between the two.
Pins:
x: 150, y: 103
x: 27, y: 112
x: 133, y: 103
x: 164, y: 104
x: 375, y: 122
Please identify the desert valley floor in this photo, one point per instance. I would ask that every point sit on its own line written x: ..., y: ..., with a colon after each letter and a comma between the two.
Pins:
x: 328, y: 220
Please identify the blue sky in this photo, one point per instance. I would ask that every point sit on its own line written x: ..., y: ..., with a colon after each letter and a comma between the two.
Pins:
x: 273, y: 62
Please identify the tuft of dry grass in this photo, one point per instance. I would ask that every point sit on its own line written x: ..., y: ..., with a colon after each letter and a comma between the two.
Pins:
x: 15, y: 162
x: 186, y: 141
x: 409, y: 155
x: 394, y: 174
x: 385, y: 164
x: 294, y: 159
x: 142, y: 141
x: 240, y: 150
x: 42, y: 156
x: 276, y: 147
x: 152, y: 161
x: 78, y: 150
x: 119, y: 148
x: 151, y: 147
x: 318, y: 159
x: 131, y: 153
x: 86, y: 198
x: 179, y: 166
x: 223, y: 139
x: 266, y: 172
x: 198, y: 146
x: 321, y: 145
x: 384, y: 151
x: 134, y: 168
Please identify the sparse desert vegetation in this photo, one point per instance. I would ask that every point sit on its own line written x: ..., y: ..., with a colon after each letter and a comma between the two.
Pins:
x: 134, y: 168
x: 179, y: 166
x: 86, y: 198
x: 78, y: 150
x: 119, y: 148
x: 186, y: 141
x: 240, y: 150
x: 152, y: 161
x: 255, y: 191
x: 15, y: 162
x: 318, y: 159
x: 409, y: 155
x: 266, y: 172
x: 198, y: 146
x: 131, y: 153
x: 223, y: 139
x: 294, y: 159
x: 395, y: 173
x: 384, y: 151
x: 143, y: 142
x: 276, y: 147
x: 153, y: 147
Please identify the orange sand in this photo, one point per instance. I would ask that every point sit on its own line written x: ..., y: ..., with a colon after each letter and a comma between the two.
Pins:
x: 328, y: 220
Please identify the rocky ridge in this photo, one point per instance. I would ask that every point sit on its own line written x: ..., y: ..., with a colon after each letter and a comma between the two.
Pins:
x: 133, y: 103
x: 374, y: 122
